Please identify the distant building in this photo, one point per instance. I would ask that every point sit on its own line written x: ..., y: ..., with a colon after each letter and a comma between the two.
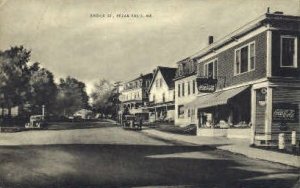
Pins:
x: 83, y: 114
x: 15, y: 111
x: 161, y: 94
x: 135, y: 93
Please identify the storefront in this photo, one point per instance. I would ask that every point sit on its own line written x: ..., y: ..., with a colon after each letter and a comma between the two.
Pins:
x: 222, y: 109
x: 163, y: 112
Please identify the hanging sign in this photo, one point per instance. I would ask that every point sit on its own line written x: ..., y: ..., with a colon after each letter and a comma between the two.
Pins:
x: 285, y: 112
x: 206, y: 85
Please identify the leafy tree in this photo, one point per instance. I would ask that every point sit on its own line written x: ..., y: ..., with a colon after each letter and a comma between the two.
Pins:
x: 105, y: 97
x: 43, y: 90
x: 71, y: 96
x: 14, y: 76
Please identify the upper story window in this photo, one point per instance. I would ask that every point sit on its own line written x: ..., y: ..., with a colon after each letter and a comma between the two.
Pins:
x: 163, y: 97
x: 147, y: 83
x: 189, y: 88
x: 156, y: 83
x: 179, y: 90
x: 153, y: 98
x: 211, y: 69
x: 183, y: 89
x: 174, y: 95
x: 160, y: 82
x: 288, y: 51
x: 194, y: 86
x: 244, y: 59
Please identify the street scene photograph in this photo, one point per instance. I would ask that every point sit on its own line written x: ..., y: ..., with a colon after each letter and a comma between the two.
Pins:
x: 149, y: 94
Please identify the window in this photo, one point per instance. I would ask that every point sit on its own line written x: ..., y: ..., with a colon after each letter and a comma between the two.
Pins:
x: 179, y: 90
x: 183, y: 89
x: 156, y: 83
x: 163, y: 97
x: 180, y: 111
x: 288, y: 51
x: 189, y: 88
x: 174, y: 95
x: 160, y: 82
x: 189, y: 113
x: 194, y: 86
x: 153, y: 98
x: 244, y: 59
x: 211, y: 69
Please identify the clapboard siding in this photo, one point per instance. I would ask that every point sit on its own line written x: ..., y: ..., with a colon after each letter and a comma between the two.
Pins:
x: 260, y: 118
x: 286, y: 95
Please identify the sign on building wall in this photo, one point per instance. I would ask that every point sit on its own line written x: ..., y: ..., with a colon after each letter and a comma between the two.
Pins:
x: 206, y: 85
x: 285, y: 112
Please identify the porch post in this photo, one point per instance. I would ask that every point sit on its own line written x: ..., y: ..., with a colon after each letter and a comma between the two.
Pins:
x: 253, y: 115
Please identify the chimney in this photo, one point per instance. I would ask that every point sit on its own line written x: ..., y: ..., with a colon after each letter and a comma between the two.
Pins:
x: 210, y: 39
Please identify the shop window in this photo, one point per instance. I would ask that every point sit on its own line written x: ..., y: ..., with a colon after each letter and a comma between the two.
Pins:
x: 211, y: 69
x: 244, y: 59
x: 180, y: 111
x: 289, y: 49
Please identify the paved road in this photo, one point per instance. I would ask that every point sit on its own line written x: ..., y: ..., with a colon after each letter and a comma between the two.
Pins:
x: 104, y: 155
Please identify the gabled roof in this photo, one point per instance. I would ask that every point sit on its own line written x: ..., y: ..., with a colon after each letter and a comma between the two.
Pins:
x: 168, y: 74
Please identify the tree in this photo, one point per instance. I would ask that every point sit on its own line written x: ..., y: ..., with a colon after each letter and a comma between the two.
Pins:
x: 14, y: 76
x: 71, y: 96
x: 43, y: 90
x: 105, y: 97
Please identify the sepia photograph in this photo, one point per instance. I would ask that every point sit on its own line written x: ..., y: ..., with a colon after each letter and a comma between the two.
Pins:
x: 149, y: 94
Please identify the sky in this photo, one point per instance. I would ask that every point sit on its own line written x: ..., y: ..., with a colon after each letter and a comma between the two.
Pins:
x: 72, y: 38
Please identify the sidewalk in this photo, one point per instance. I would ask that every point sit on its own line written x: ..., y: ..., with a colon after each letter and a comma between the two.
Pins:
x: 240, y: 146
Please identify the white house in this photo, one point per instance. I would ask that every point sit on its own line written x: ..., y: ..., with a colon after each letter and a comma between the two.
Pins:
x: 161, y: 94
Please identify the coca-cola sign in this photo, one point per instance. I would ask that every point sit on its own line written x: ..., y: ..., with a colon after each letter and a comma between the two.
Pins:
x: 206, y: 85
x: 285, y: 112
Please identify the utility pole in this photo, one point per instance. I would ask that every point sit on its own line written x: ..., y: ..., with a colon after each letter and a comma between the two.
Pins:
x: 43, y: 111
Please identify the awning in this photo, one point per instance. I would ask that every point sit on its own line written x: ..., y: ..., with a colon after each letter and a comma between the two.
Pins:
x: 215, y: 99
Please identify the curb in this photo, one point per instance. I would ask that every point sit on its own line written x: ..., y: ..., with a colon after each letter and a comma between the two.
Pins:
x: 290, y: 160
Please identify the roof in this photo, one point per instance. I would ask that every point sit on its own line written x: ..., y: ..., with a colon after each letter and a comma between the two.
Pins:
x: 168, y: 74
x: 252, y: 25
x: 146, y: 76
x: 215, y: 99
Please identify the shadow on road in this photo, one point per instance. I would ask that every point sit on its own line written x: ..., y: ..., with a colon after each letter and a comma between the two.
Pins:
x: 79, y: 125
x: 136, y: 166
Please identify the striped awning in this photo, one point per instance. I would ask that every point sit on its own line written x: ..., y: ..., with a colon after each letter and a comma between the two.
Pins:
x: 215, y: 99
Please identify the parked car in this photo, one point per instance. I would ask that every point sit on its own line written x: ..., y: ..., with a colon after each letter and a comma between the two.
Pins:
x: 36, y: 122
x: 132, y: 122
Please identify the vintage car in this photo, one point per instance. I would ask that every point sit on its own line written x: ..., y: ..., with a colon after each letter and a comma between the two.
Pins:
x: 36, y: 122
x: 132, y: 122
